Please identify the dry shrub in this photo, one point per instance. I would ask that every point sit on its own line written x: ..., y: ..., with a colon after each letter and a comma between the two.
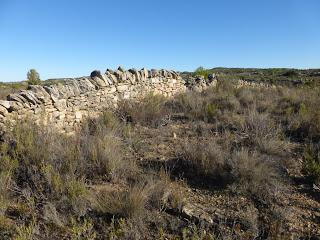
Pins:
x: 306, y: 123
x: 265, y: 134
x: 159, y: 189
x: 225, y: 102
x: 226, y: 85
x: 6, y: 168
x: 176, y: 198
x: 148, y: 111
x: 27, y: 231
x: 108, y: 121
x: 128, y: 203
x: 103, y: 156
x: 101, y: 149
x: 195, y: 106
x: 249, y: 219
x: 204, y: 159
x: 59, y: 170
x: 9, y: 88
x: 299, y: 109
x: 164, y: 193
x: 245, y: 96
x: 152, y: 191
x: 248, y: 173
x: 41, y: 172
x: 127, y: 229
x: 7, y: 228
x: 254, y: 174
x: 6, y: 225
x: 265, y: 99
x: 207, y: 106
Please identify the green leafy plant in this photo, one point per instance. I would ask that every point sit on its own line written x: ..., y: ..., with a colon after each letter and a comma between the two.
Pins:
x: 201, y: 71
x: 33, y: 77
x: 312, y: 164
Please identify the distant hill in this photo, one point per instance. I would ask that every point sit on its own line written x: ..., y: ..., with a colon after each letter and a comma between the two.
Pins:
x: 286, y: 76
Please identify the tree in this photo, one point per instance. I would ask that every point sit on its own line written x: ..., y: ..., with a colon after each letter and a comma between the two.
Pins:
x: 202, y: 72
x: 33, y: 77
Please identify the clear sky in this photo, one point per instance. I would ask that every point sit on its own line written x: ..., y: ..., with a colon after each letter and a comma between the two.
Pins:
x: 68, y: 38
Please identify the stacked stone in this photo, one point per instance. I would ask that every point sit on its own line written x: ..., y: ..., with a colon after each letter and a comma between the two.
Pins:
x: 67, y: 104
x: 199, y: 83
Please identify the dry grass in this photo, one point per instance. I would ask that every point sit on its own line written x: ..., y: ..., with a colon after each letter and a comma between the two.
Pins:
x: 205, y: 159
x: 237, y: 138
x: 255, y: 175
x: 127, y: 203
x: 57, y: 174
x: 148, y: 111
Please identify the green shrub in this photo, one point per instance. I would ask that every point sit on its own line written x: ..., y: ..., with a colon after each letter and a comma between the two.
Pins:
x: 33, y: 77
x: 211, y: 111
x: 201, y: 71
x: 312, y: 163
x: 27, y: 232
x: 9, y: 88
x: 82, y: 230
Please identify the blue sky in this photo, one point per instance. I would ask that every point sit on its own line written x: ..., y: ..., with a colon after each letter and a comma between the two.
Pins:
x: 68, y: 38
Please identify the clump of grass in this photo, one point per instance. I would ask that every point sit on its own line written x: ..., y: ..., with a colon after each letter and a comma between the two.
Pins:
x: 265, y: 134
x: 312, y: 163
x: 148, y: 111
x: 204, y: 158
x: 82, y: 230
x: 60, y: 170
x: 128, y: 203
x: 209, y: 105
x: 246, y: 97
x: 299, y: 110
x: 27, y: 232
x: 201, y: 71
x: 191, y: 104
x: 149, y: 192
x: 9, y: 88
x: 102, y: 151
x: 249, y: 173
x: 103, y: 156
x: 6, y: 168
x: 254, y: 174
x: 7, y: 228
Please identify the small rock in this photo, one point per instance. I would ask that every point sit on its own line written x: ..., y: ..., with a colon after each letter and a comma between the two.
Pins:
x: 121, y: 69
x: 95, y: 73
x: 196, y: 213
x: 5, y: 104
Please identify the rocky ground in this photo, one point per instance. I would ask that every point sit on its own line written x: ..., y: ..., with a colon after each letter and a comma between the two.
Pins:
x: 227, y: 163
x: 298, y: 207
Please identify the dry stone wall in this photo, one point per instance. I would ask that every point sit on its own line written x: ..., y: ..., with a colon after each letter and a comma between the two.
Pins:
x: 65, y: 105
